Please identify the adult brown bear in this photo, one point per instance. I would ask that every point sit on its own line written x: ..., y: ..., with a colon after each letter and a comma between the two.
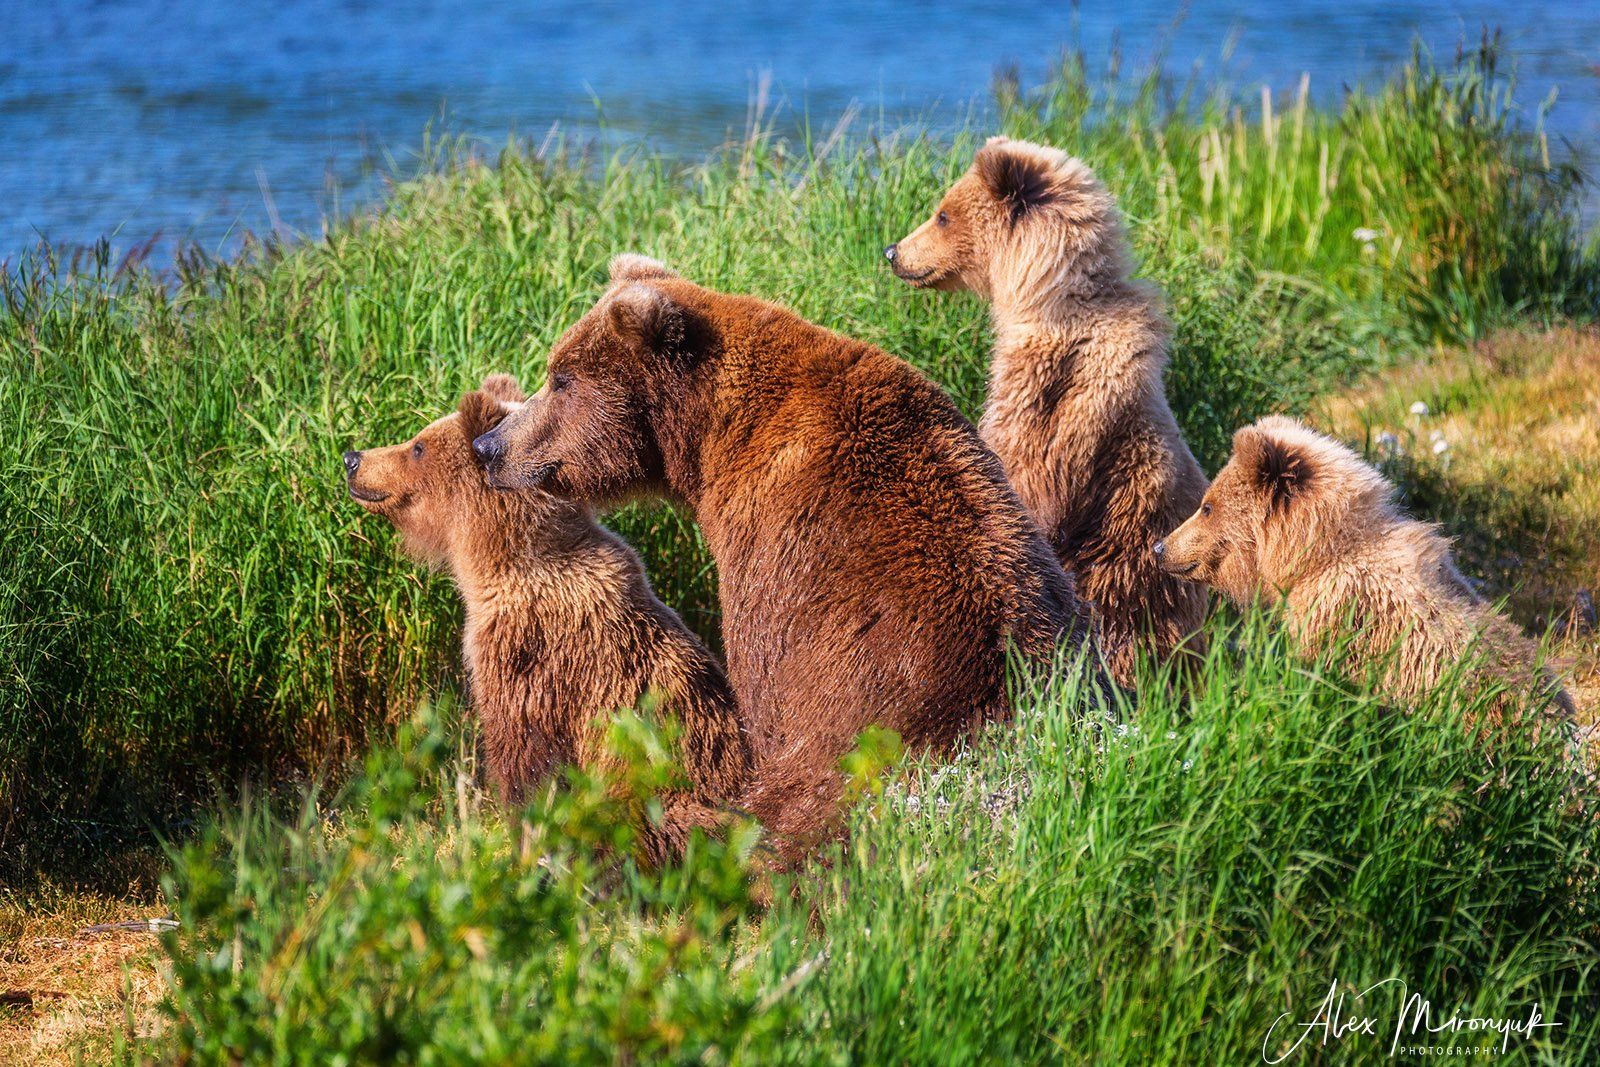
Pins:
x: 873, y: 563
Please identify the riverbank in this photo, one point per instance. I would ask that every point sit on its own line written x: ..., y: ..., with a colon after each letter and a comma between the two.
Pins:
x: 189, y: 602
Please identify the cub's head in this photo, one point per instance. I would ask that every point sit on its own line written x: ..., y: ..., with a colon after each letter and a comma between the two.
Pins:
x: 588, y: 434
x: 432, y: 486
x: 1022, y: 221
x: 1285, y: 503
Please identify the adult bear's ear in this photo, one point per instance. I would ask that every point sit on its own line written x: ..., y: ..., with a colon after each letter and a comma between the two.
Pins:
x: 503, y: 387
x: 481, y: 410
x: 1019, y: 180
x: 632, y: 267
x: 644, y: 317
x: 1283, y: 471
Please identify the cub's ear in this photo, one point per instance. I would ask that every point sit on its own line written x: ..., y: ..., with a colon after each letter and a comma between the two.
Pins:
x: 632, y: 267
x: 645, y: 317
x: 1283, y: 471
x: 503, y: 387
x: 481, y: 411
x: 1019, y: 180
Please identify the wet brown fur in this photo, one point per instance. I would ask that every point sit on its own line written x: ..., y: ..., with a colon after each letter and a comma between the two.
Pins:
x: 872, y: 561
x: 562, y: 628
x: 1299, y: 519
x: 1077, y: 408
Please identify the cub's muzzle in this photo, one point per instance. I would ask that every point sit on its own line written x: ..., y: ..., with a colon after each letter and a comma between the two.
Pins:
x: 490, y: 448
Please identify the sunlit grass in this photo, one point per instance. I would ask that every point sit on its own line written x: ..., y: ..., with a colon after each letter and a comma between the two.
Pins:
x: 1155, y: 891
x: 188, y: 600
x: 1507, y: 456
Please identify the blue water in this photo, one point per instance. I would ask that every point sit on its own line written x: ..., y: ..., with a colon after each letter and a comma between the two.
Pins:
x: 140, y: 119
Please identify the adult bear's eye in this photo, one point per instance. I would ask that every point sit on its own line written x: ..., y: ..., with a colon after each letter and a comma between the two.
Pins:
x: 942, y: 219
x: 559, y: 382
x: 416, y: 450
x: 1205, y: 509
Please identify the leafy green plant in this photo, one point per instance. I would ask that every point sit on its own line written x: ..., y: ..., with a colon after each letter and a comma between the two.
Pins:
x: 406, y: 922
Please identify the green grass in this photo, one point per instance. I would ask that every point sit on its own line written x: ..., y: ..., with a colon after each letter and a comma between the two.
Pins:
x: 1432, y: 207
x: 1067, y: 890
x: 187, y: 598
x: 189, y: 602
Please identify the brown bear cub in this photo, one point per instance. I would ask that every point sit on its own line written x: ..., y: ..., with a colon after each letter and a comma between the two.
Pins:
x: 1299, y: 519
x: 873, y: 564
x: 562, y: 628
x: 1077, y: 410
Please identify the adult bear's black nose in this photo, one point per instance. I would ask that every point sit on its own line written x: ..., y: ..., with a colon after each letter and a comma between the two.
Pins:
x: 352, y: 460
x: 1160, y: 549
x: 891, y: 252
x: 488, y: 448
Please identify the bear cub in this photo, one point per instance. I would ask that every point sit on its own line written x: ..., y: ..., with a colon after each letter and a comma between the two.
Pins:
x: 1297, y: 518
x: 562, y: 627
x: 1077, y: 408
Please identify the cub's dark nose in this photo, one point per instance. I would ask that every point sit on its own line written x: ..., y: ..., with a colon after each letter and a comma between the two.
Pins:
x: 1160, y: 549
x: 352, y: 460
x: 891, y: 252
x: 488, y: 448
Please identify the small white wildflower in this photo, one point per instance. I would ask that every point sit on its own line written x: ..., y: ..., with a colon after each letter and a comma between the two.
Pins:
x: 1388, y: 442
x: 1172, y: 735
x: 1365, y: 234
x: 1419, y: 408
x: 1188, y: 763
x: 1440, y: 447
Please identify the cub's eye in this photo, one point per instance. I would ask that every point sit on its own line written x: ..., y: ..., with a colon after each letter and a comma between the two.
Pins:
x: 559, y: 382
x: 942, y: 219
x: 416, y: 450
x: 1205, y: 509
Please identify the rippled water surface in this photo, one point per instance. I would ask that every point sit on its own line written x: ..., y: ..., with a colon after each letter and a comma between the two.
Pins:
x: 188, y: 121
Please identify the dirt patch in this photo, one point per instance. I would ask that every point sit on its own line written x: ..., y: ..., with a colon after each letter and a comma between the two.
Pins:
x: 67, y: 993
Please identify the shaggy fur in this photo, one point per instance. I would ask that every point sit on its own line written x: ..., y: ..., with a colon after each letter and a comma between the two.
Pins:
x: 1300, y: 519
x: 562, y: 629
x: 1077, y: 409
x: 872, y: 562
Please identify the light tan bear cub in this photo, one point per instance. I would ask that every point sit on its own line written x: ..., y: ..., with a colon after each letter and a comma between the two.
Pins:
x: 562, y: 628
x: 1077, y: 408
x: 1298, y: 518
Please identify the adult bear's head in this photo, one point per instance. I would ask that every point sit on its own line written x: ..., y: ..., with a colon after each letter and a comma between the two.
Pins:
x: 590, y: 433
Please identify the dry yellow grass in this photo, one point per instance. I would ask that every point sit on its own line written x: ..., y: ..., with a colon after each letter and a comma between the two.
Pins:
x: 1507, y: 457
x: 66, y: 995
